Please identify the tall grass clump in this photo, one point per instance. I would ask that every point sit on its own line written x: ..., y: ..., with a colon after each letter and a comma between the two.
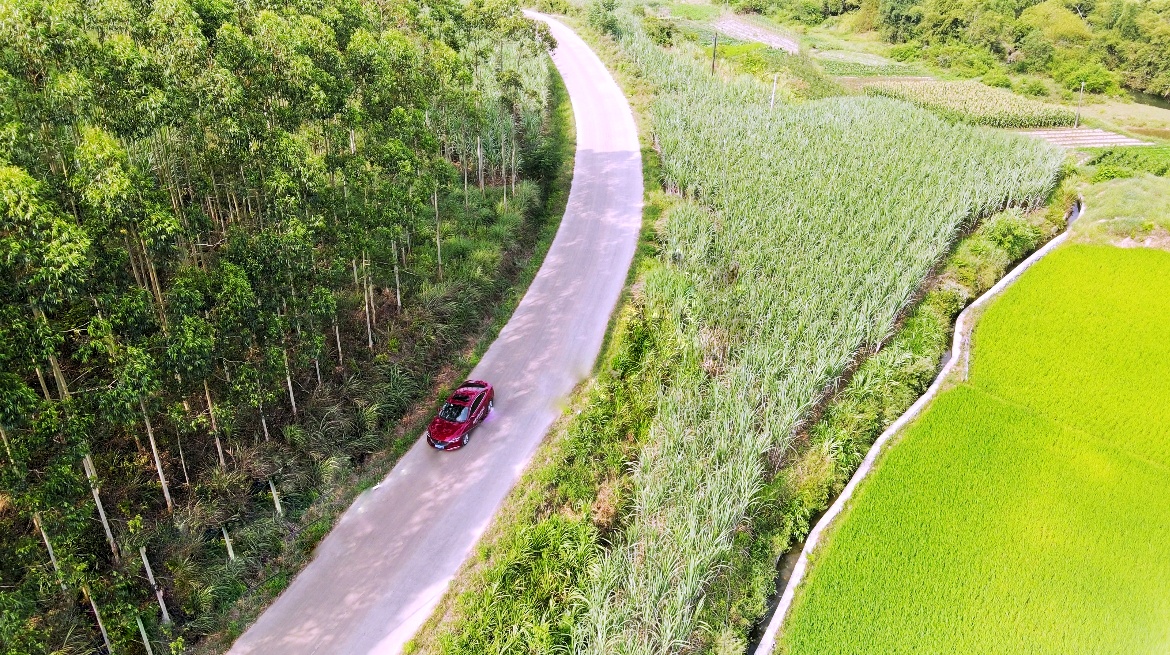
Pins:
x: 809, y: 228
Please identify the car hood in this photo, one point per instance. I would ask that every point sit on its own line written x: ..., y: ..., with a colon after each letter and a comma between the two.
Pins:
x: 444, y: 430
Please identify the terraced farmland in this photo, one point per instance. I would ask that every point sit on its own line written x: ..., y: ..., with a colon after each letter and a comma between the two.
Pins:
x: 1026, y: 511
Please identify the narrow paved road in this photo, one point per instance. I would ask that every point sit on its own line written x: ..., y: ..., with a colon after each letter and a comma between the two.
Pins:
x: 381, y: 571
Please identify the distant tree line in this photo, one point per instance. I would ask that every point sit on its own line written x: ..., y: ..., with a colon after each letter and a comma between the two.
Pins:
x: 1105, y: 44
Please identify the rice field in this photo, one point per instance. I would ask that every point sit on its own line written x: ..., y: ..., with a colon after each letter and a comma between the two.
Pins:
x: 974, y: 103
x: 808, y: 229
x: 1028, y: 510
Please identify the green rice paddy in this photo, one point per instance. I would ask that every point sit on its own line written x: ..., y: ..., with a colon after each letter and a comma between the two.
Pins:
x: 1027, y: 510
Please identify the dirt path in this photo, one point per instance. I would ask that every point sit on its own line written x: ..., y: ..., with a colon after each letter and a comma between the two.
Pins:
x: 378, y: 575
x: 744, y: 31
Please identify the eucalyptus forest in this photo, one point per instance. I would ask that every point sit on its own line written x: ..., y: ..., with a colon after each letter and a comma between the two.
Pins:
x: 235, y: 239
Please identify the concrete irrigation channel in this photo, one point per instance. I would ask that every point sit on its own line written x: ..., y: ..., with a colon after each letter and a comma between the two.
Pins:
x: 957, y: 365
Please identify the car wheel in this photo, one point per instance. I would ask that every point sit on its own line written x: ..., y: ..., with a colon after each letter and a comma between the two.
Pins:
x: 491, y: 404
x: 465, y: 439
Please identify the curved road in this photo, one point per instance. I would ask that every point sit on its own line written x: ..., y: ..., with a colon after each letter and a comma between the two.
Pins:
x: 378, y: 575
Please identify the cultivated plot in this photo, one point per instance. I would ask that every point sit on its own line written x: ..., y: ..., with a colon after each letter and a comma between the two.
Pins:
x: 1028, y: 510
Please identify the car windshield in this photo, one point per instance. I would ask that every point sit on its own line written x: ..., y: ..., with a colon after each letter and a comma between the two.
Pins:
x: 454, y: 413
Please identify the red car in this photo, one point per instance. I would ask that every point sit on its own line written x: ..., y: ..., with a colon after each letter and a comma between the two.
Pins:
x: 466, y: 408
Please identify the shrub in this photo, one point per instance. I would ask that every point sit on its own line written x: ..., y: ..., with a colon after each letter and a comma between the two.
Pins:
x: 1096, y: 78
x: 997, y: 78
x: 1034, y: 88
x: 1106, y: 172
x: 1011, y: 232
x: 659, y: 30
x: 601, y: 16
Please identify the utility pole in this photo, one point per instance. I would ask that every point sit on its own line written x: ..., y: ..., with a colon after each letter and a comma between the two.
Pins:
x: 714, y: 49
x: 1080, y: 102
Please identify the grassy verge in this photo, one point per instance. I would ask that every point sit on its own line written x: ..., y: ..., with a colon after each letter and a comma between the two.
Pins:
x: 529, y: 239
x: 1017, y: 514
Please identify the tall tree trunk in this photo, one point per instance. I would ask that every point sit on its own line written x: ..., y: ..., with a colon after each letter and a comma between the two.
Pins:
x: 166, y: 617
x: 337, y: 335
x: 49, y: 547
x: 369, y: 320
x: 97, y: 615
x: 41, y: 379
x: 479, y: 154
x: 58, y: 375
x: 438, y: 240
x: 288, y: 380
x: 8, y: 448
x: 263, y: 420
x: 214, y: 427
x: 275, y: 498
x: 397, y: 282
x: 157, y: 460
x: 145, y: 638
x: 95, y: 487
x: 227, y: 542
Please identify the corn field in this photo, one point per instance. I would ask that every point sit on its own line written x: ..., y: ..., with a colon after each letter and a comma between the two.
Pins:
x: 808, y: 229
x: 974, y: 103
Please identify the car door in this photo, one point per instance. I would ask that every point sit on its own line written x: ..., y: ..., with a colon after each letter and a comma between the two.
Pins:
x: 477, y: 408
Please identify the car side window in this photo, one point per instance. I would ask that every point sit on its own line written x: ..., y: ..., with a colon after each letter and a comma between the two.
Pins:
x: 475, y: 405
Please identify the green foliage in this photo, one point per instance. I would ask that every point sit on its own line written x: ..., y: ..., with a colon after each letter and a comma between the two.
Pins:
x: 601, y: 16
x: 1032, y: 87
x: 749, y: 286
x: 1154, y: 160
x: 1095, y: 77
x: 800, y: 75
x: 1018, y: 505
x: 854, y: 69
x: 660, y: 30
x: 997, y: 78
x: 208, y: 215
x: 971, y: 102
x: 1103, y: 44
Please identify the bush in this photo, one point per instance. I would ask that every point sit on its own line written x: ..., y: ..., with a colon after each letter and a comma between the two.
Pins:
x: 1106, y: 172
x: 1034, y: 53
x: 1096, y: 78
x: 997, y: 78
x: 1016, y: 236
x: 1034, y: 88
x: 659, y: 30
x: 602, y: 18
x: 906, y: 52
